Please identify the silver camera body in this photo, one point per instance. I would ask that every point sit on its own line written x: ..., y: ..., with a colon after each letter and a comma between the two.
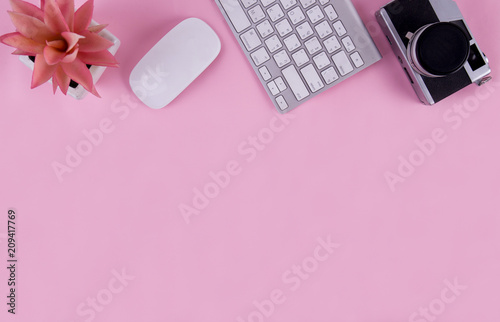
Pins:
x: 434, y: 46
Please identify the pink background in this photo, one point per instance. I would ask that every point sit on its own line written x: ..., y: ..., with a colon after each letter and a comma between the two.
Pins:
x: 322, y: 175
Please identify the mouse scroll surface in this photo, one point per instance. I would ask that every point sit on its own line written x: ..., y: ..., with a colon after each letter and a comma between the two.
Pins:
x: 174, y: 62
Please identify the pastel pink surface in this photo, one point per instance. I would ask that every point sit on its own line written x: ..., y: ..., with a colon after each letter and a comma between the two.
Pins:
x: 322, y: 175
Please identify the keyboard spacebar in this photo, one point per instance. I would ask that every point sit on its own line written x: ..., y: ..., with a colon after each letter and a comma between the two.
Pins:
x: 236, y: 14
x: 296, y: 84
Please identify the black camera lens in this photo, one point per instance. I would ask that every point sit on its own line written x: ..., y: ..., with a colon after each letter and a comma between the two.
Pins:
x: 440, y: 49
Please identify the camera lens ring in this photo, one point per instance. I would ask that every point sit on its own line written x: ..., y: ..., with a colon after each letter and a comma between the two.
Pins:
x: 438, y: 49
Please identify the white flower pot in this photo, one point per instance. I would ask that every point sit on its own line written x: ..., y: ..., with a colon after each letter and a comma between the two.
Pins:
x: 79, y: 92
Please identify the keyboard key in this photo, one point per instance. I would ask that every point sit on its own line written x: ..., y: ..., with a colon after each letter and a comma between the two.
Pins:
x: 273, y: 88
x: 300, y: 57
x: 321, y: 60
x: 265, y: 29
x: 267, y: 2
x: 280, y: 83
x: 330, y: 75
x: 315, y: 14
x: 281, y: 102
x: 323, y: 2
x: 275, y: 12
x: 307, y: 3
x: 313, y: 45
x: 250, y: 40
x: 312, y: 78
x: 260, y: 56
x: 287, y: 4
x: 236, y: 14
x: 282, y: 58
x: 264, y: 72
x: 356, y: 59
x: 348, y: 44
x: 304, y: 30
x: 296, y: 15
x: 273, y: 44
x: 343, y: 64
x: 323, y: 29
x: 332, y: 44
x: 248, y: 3
x: 295, y: 82
x: 292, y: 42
x: 257, y: 14
x: 339, y: 28
x: 284, y: 27
x: 330, y: 12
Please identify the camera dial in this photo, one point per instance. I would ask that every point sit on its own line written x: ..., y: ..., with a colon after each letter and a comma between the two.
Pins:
x: 438, y: 49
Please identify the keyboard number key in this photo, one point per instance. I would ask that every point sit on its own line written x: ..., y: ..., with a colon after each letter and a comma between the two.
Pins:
x: 287, y: 4
x: 356, y: 59
x: 281, y: 58
x: 339, y: 28
x: 348, y: 44
x: 267, y: 2
x: 260, y: 56
x: 248, y: 3
x: 331, y: 13
x: 296, y: 15
x: 283, y: 105
x: 332, y: 44
x: 257, y: 14
x: 323, y: 29
x: 323, y: 2
x: 315, y: 14
x: 300, y: 57
x: 343, y: 64
x: 264, y: 72
x: 304, y: 30
x: 273, y: 44
x: 330, y: 75
x: 312, y: 78
x: 265, y: 29
x: 284, y: 27
x: 292, y: 42
x: 313, y: 45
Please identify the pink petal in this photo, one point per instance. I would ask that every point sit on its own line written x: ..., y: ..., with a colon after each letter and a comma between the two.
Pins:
x: 83, y: 16
x: 52, y: 55
x: 54, y: 84
x: 93, y: 42
x: 97, y: 29
x: 70, y: 57
x: 54, y: 18
x: 79, y: 72
x: 71, y: 39
x: 42, y: 4
x: 22, y: 43
x: 63, y: 80
x: 31, y: 27
x: 99, y: 58
x: 27, y: 8
x: 68, y: 11
x: 22, y: 52
x: 42, y: 72
x: 58, y: 44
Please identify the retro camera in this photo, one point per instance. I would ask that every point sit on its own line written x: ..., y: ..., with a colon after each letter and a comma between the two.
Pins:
x: 434, y: 46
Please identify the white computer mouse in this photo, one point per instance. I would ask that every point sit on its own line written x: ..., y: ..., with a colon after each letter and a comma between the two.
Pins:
x: 174, y: 62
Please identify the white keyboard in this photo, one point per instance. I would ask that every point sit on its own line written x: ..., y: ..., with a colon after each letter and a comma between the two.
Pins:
x: 300, y: 48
